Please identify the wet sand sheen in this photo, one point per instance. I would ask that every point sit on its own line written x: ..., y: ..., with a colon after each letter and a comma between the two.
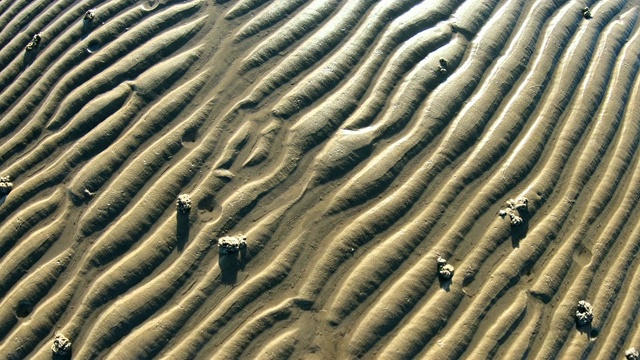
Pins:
x: 352, y: 143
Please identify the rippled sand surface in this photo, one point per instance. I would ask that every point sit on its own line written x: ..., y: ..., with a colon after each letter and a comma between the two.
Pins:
x: 351, y: 143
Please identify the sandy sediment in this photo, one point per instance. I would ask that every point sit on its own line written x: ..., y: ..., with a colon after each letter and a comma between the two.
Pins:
x: 351, y: 144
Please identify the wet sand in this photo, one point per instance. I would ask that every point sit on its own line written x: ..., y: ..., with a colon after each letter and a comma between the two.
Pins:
x: 351, y: 143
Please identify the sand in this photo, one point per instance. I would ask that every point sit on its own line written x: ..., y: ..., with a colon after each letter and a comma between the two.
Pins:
x: 277, y: 179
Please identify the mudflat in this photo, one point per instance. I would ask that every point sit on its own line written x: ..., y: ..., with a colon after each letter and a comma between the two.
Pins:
x: 319, y: 179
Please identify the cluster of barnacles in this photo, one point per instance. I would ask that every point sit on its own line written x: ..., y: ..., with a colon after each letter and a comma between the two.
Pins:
x: 445, y: 271
x: 184, y: 203
x: 232, y: 244
x: 515, y: 208
x: 5, y: 185
x: 90, y: 15
x: 442, y: 68
x: 61, y: 345
x: 35, y: 40
x: 584, y: 313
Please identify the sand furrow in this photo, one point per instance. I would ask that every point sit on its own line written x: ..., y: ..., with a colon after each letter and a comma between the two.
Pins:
x: 92, y: 143
x: 394, y: 250
x: 130, y: 65
x: 237, y: 300
x: 103, y: 330
x: 9, y: 9
x: 23, y: 256
x: 521, y: 346
x: 137, y: 221
x: 91, y: 115
x: 65, y: 61
x: 282, y: 347
x: 333, y: 70
x: 233, y: 146
x: 262, y: 147
x: 422, y: 223
x: 242, y: 7
x: 606, y: 296
x: 382, y: 168
x: 317, y: 46
x: 20, y: 224
x: 503, y: 327
x: 26, y: 337
x: 550, y: 279
x: 442, y: 250
x: 235, y: 345
x: 301, y: 24
x: 347, y: 147
x: 64, y: 31
x: 95, y: 141
x: 109, y: 204
x: 33, y: 17
x: 32, y: 289
x: 407, y: 55
x: 544, y: 232
x: 273, y: 13
x: 134, y: 267
x: 563, y: 320
x: 100, y: 169
x: 149, y: 338
x: 620, y: 332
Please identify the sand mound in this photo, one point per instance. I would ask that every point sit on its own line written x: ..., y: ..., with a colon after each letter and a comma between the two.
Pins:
x: 355, y: 144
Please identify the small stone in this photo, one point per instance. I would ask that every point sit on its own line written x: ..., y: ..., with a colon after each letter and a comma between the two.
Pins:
x: 61, y: 345
x: 34, y: 42
x: 584, y: 313
x: 632, y: 354
x: 5, y: 185
x: 184, y: 203
x: 586, y: 13
x: 232, y: 244
x: 90, y: 15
